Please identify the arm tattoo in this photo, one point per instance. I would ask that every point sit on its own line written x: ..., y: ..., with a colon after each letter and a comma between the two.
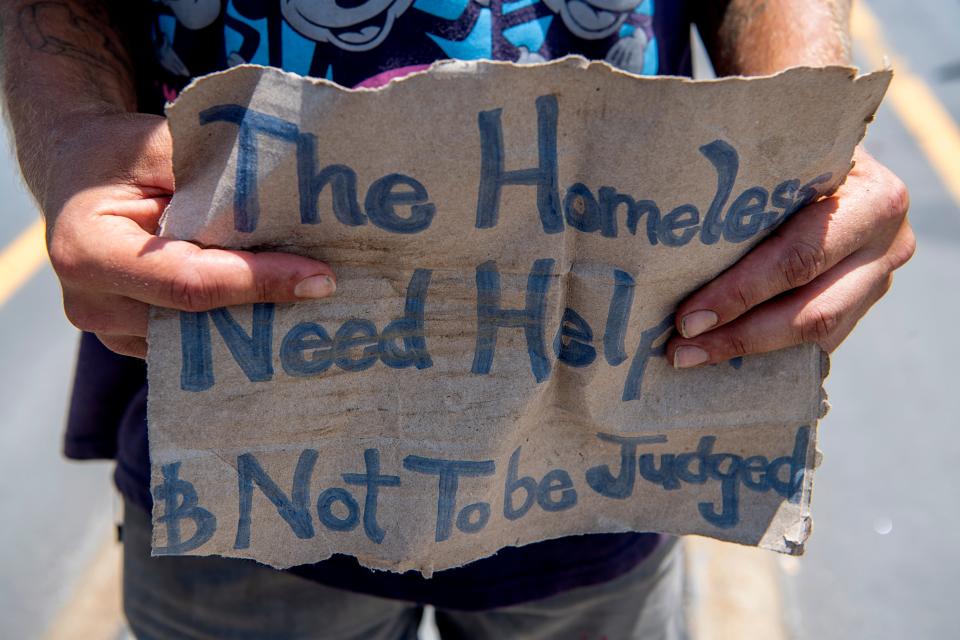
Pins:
x: 58, y: 29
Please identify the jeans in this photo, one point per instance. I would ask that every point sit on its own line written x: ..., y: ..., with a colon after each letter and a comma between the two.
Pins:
x: 214, y: 597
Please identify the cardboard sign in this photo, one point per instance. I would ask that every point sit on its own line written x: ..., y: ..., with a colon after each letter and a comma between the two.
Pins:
x: 510, y: 245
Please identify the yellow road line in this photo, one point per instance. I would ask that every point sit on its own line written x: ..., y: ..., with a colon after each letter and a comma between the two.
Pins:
x: 94, y: 611
x: 924, y: 116
x: 21, y: 259
x: 734, y: 591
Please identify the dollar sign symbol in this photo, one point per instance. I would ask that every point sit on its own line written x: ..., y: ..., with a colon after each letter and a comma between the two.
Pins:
x: 180, y: 502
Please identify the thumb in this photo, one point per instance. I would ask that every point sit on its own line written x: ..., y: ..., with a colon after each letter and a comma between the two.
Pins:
x: 181, y: 275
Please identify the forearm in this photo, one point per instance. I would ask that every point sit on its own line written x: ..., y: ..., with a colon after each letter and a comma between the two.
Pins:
x: 62, y: 62
x: 758, y: 37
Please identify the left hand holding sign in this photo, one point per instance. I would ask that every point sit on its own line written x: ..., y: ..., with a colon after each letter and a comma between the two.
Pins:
x: 810, y: 282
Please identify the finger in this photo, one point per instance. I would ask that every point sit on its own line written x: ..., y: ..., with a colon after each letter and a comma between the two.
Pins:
x: 105, y: 313
x: 822, y: 312
x: 181, y: 275
x: 810, y: 243
x: 866, y: 211
x: 133, y: 346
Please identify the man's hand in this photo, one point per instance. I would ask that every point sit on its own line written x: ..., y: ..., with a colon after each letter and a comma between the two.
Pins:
x: 818, y: 274
x: 103, y: 175
x: 811, y: 281
x: 109, y: 184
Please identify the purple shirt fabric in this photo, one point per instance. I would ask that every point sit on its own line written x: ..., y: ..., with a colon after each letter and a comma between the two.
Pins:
x: 107, y: 416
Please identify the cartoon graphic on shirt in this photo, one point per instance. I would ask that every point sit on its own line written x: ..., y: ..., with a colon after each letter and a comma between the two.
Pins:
x: 526, y: 31
x: 268, y: 14
x: 630, y: 52
x: 194, y: 14
x: 593, y: 19
x: 354, y: 25
x: 353, y: 41
x: 197, y: 43
x: 624, y: 27
x: 404, y: 34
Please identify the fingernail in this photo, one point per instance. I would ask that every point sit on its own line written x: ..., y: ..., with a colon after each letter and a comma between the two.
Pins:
x: 689, y: 356
x: 696, y: 322
x: 315, y: 287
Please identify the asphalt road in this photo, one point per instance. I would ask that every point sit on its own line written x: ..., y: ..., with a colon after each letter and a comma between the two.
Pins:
x: 55, y: 514
x: 881, y: 563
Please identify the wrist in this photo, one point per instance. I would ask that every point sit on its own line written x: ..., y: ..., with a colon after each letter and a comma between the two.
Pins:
x: 89, y: 148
